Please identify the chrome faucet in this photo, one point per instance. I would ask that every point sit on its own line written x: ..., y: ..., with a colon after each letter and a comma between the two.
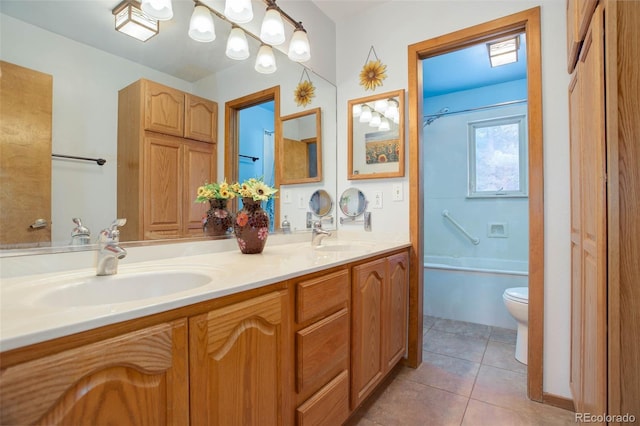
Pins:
x: 110, y: 251
x: 80, y: 235
x: 318, y: 234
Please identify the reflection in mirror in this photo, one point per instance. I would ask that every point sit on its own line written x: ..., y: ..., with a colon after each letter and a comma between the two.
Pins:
x: 300, y: 150
x: 353, y: 202
x: 321, y: 203
x: 86, y: 81
x: 376, y: 136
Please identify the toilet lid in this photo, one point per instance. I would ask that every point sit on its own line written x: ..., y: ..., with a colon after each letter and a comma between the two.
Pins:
x: 519, y: 294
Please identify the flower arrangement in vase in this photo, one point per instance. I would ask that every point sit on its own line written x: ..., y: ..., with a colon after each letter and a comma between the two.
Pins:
x: 218, y: 220
x: 251, y: 224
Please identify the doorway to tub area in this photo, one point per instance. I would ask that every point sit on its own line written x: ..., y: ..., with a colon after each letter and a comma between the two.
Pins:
x: 476, y: 174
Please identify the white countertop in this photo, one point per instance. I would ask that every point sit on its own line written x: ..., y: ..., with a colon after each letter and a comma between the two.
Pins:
x: 27, y: 318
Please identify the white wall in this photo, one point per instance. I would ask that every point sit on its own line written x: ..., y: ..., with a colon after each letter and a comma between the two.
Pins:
x: 408, y: 22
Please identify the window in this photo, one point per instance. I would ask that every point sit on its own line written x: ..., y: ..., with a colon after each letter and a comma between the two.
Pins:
x: 498, y: 157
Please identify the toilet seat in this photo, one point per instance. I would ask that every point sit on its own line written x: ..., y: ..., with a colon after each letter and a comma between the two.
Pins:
x: 517, y: 294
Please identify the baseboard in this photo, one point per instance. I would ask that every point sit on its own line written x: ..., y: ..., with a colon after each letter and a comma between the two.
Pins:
x: 558, y: 401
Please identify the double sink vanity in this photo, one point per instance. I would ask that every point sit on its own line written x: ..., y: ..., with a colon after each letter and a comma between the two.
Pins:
x: 198, y: 333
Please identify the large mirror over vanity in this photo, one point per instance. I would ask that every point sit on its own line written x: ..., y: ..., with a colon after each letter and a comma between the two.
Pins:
x: 89, y: 63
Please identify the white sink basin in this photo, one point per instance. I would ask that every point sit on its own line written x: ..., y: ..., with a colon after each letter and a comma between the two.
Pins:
x: 121, y: 288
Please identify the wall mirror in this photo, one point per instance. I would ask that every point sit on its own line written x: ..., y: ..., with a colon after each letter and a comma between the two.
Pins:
x: 86, y: 81
x: 376, y: 136
x: 321, y: 203
x: 353, y: 202
x: 300, y: 150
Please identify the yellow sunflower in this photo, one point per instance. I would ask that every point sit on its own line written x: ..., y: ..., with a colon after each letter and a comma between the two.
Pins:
x: 372, y: 74
x: 304, y: 92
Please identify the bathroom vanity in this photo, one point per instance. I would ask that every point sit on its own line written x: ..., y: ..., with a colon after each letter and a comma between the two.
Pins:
x: 296, y: 335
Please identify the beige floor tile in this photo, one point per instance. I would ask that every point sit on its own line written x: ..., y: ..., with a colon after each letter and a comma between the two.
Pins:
x: 482, y: 414
x: 502, y: 355
x: 427, y: 323
x: 407, y: 403
x: 455, y: 345
x: 464, y: 328
x: 504, y: 335
x: 443, y: 372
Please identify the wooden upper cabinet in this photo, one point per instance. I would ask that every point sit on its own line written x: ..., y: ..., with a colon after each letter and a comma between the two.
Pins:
x: 201, y: 119
x: 140, y: 378
x: 199, y: 167
x: 579, y: 14
x: 163, y: 109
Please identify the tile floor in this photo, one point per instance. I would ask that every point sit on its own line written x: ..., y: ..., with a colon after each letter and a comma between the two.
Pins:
x: 468, y: 377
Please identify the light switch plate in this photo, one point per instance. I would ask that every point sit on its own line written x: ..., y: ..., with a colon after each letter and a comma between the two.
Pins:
x: 286, y: 196
x: 301, y: 204
x: 377, y: 200
x: 397, y: 192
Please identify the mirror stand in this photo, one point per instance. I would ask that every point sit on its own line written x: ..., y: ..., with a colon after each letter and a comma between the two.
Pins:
x: 366, y: 220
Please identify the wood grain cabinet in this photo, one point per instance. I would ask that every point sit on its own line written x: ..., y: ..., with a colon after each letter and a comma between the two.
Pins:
x: 139, y: 378
x: 239, y: 363
x: 166, y: 149
x: 379, y: 321
x: 605, y: 200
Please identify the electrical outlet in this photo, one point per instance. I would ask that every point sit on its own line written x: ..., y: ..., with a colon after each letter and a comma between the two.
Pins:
x: 286, y: 196
x: 397, y: 192
x: 301, y: 201
x: 377, y: 200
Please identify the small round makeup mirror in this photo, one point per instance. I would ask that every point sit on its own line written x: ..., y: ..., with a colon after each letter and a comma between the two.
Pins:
x: 353, y: 202
x: 321, y: 203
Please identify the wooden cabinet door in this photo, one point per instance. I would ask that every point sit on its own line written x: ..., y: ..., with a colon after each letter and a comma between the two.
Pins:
x: 366, y: 350
x: 593, y: 219
x: 163, y: 187
x: 239, y: 363
x: 163, y: 109
x: 395, y: 310
x: 199, y: 167
x: 201, y: 119
x: 140, y: 378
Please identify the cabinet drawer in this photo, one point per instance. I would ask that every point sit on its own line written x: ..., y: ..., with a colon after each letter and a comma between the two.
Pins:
x: 322, y: 351
x: 329, y: 406
x: 319, y: 296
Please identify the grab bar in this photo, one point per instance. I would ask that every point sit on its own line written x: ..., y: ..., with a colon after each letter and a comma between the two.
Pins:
x: 473, y: 239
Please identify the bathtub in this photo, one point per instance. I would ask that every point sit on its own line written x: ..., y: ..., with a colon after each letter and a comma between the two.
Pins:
x: 470, y: 289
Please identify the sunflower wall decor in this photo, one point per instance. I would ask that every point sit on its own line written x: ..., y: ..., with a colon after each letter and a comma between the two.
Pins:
x: 305, y: 90
x: 373, y: 72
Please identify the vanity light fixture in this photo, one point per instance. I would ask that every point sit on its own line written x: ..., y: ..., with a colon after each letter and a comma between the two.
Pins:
x: 131, y: 21
x: 265, y: 61
x: 238, y: 11
x: 503, y: 51
x: 366, y: 116
x: 237, y: 45
x: 376, y: 120
x: 299, y: 49
x: 272, y: 29
x: 380, y: 105
x: 384, y: 125
x: 357, y: 110
x: 392, y: 109
x: 162, y: 10
x: 201, y: 27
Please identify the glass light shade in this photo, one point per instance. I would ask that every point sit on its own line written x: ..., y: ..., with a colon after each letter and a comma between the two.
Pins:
x: 201, y: 27
x: 162, y: 10
x: 357, y: 110
x: 384, y: 125
x: 265, y: 61
x: 380, y: 105
x: 237, y: 46
x: 365, y: 117
x: 131, y: 21
x: 272, y: 29
x: 238, y: 11
x: 375, y: 120
x: 299, y: 49
x: 392, y: 109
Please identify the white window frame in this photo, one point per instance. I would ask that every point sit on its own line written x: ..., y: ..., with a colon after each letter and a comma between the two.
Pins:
x: 519, y: 119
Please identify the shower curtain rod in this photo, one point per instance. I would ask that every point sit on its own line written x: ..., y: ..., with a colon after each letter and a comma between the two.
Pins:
x: 498, y: 104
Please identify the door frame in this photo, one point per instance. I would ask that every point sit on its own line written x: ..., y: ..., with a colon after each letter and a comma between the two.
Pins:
x: 527, y: 21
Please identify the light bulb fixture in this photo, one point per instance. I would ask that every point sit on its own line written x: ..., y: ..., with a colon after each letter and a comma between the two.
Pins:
x: 380, y: 105
x: 265, y: 61
x: 375, y: 119
x: 238, y: 11
x: 392, y: 109
x: 162, y: 10
x: 130, y: 20
x: 365, y: 117
x: 272, y: 29
x: 357, y: 110
x: 237, y: 45
x: 201, y: 27
x: 384, y: 125
x: 503, y: 51
x: 299, y: 50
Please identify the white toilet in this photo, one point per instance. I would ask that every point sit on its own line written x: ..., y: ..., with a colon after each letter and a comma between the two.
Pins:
x: 517, y: 302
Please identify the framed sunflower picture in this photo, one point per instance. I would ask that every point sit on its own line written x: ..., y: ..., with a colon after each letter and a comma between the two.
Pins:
x: 376, y: 136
